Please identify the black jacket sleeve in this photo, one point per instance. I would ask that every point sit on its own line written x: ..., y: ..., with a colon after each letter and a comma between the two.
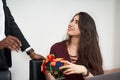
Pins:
x: 11, y: 28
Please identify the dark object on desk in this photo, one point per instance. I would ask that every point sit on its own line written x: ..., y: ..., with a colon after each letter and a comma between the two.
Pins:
x: 109, y: 76
x: 5, y: 75
x: 35, y: 70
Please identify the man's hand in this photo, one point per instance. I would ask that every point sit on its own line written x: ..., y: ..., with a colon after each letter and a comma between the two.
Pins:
x: 36, y: 56
x: 11, y: 43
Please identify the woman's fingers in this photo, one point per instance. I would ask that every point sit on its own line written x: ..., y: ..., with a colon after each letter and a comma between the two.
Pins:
x: 66, y: 62
x: 64, y: 67
x: 67, y: 71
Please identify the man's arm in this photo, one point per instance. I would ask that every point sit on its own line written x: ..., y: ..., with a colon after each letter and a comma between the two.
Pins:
x: 16, y: 32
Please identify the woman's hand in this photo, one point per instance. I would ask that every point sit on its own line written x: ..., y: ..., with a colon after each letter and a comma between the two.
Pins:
x: 71, y: 68
x: 49, y: 76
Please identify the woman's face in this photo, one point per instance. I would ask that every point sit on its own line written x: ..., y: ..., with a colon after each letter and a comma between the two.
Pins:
x: 73, y: 29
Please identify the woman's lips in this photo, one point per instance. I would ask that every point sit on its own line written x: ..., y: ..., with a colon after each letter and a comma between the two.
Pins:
x: 70, y: 28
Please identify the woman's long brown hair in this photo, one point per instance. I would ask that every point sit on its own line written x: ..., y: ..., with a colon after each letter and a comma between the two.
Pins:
x: 88, y: 47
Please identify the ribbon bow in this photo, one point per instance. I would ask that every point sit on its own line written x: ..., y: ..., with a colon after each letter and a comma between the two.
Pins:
x: 50, y: 58
x: 51, y: 62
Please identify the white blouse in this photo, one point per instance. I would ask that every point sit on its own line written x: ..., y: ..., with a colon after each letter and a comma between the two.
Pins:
x: 2, y: 22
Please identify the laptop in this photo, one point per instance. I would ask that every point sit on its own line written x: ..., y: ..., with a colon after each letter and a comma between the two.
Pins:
x: 109, y: 76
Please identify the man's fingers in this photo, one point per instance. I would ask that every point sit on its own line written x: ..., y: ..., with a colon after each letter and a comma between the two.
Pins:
x: 16, y: 40
x: 9, y: 47
x: 13, y: 47
x: 13, y: 43
x: 41, y: 57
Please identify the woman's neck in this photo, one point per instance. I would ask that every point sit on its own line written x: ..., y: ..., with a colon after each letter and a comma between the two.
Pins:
x: 73, y: 46
x: 72, y: 49
x: 74, y: 41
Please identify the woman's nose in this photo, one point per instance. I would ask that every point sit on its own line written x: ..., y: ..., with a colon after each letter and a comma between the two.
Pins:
x: 72, y: 23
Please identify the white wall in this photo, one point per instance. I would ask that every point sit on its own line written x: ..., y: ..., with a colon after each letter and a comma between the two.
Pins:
x: 116, y: 56
x: 44, y: 22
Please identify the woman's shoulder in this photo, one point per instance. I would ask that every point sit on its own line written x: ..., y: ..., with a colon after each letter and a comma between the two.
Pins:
x: 59, y: 44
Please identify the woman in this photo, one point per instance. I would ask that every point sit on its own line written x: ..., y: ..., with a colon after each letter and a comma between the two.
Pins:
x: 81, y: 49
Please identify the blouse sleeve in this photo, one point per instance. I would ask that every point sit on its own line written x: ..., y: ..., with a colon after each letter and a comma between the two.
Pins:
x: 52, y: 50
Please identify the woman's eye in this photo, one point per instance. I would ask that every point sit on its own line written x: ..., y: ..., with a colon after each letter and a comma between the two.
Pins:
x: 76, y: 21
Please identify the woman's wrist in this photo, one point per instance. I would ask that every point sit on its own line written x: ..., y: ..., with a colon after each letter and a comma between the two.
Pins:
x: 87, y: 74
x: 85, y: 71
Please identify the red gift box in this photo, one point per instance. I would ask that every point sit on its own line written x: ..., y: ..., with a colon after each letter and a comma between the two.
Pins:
x: 52, y: 64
